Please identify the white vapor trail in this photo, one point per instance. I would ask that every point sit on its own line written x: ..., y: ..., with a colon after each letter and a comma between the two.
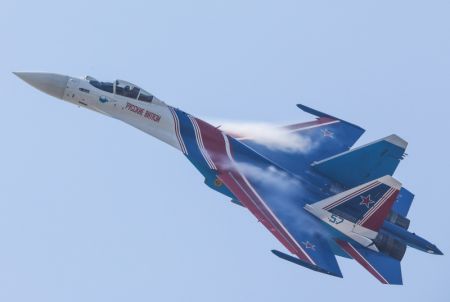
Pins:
x: 272, y: 136
x: 283, y: 189
x: 270, y: 176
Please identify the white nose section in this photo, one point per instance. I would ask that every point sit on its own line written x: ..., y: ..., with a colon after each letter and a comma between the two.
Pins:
x: 50, y: 83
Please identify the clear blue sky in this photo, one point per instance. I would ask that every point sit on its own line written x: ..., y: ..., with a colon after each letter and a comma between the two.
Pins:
x: 94, y: 210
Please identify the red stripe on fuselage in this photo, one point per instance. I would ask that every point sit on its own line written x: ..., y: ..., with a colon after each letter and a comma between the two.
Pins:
x: 214, y: 144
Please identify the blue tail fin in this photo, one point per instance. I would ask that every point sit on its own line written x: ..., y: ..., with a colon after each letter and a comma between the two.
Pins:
x: 363, y: 164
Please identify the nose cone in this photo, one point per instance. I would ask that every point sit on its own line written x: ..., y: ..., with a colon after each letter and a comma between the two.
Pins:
x: 50, y: 83
x: 436, y: 251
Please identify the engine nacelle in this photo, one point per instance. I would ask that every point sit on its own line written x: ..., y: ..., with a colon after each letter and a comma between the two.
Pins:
x: 399, y: 220
x: 390, y: 245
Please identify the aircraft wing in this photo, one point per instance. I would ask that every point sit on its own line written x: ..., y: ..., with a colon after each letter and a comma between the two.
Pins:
x: 312, y: 250
x: 316, y: 140
x: 273, y: 196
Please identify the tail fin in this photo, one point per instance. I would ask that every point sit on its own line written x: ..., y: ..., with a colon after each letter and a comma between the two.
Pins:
x: 366, y: 205
x: 365, y: 163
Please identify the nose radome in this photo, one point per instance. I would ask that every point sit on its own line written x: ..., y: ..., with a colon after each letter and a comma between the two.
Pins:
x: 437, y: 251
x: 50, y: 83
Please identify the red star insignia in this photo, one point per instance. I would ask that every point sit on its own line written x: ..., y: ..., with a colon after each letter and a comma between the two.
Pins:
x: 309, y: 245
x: 327, y: 133
x: 365, y: 200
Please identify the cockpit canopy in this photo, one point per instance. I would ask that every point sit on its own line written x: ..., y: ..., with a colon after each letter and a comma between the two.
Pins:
x: 123, y: 88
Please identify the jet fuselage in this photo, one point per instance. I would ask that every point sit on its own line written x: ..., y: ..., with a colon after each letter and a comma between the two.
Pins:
x: 210, y: 150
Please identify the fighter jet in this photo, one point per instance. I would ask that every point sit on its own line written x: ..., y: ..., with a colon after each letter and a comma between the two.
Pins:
x: 317, y: 195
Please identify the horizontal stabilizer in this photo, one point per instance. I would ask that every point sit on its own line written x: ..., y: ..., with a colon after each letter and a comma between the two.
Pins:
x: 386, y: 269
x: 363, y: 164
